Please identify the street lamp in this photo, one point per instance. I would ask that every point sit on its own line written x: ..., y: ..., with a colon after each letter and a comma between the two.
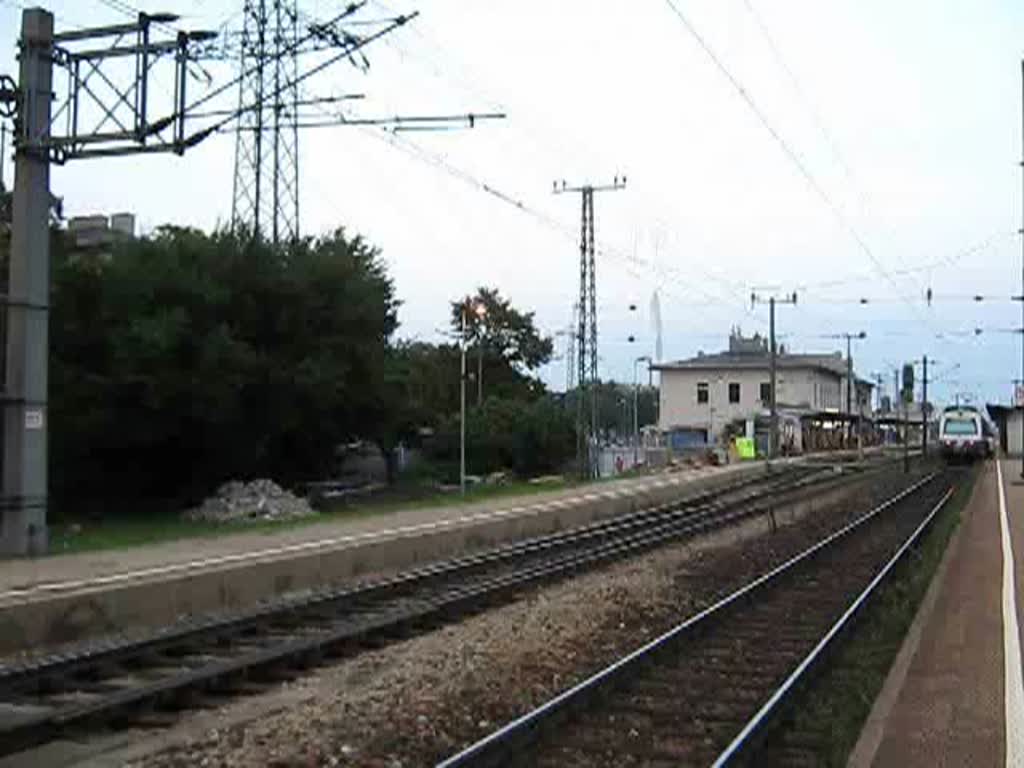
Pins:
x: 636, y: 399
x: 480, y: 310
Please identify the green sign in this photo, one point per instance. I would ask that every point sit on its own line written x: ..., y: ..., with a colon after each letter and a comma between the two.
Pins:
x: 745, y: 448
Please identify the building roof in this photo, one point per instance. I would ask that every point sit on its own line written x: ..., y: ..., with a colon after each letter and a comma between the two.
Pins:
x: 834, y: 363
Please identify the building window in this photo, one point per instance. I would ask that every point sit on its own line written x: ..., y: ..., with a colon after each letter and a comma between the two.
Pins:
x: 766, y: 392
x: 734, y: 391
x: 702, y: 392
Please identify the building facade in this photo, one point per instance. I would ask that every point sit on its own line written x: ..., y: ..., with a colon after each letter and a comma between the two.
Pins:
x: 95, y: 236
x: 703, y: 394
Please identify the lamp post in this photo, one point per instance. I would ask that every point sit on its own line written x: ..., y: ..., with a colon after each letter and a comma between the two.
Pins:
x: 480, y: 310
x: 636, y: 400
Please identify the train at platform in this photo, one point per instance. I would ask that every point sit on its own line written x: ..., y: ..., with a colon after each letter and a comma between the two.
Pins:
x: 966, y: 434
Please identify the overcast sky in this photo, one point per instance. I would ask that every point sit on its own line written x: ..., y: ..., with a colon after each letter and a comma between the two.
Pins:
x: 902, y: 130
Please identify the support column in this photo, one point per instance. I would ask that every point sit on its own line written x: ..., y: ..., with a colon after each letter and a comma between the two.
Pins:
x: 23, y: 530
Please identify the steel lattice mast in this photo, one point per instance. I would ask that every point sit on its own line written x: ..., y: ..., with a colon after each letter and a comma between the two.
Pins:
x: 587, y: 357
x: 266, y: 184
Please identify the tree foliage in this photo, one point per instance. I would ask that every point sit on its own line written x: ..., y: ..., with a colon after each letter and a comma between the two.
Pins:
x: 615, y: 407
x: 187, y: 359
x: 525, y: 437
x: 504, y: 332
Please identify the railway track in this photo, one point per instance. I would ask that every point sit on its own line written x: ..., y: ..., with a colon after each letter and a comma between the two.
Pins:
x: 123, y: 683
x: 705, y: 692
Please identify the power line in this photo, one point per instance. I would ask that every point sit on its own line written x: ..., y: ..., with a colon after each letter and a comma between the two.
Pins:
x: 948, y: 261
x: 789, y: 152
x: 664, y: 271
x: 132, y: 11
x: 818, y: 120
x: 802, y: 94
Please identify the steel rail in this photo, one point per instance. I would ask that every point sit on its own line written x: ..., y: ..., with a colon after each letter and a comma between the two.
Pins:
x: 343, y: 631
x: 697, y: 503
x: 746, y: 739
x: 504, y: 743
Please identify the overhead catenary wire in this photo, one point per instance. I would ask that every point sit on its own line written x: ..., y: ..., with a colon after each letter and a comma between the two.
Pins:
x: 950, y: 261
x: 820, y: 124
x: 733, y: 292
x: 791, y: 154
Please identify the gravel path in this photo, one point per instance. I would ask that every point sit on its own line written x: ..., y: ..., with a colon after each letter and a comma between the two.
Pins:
x: 414, y: 702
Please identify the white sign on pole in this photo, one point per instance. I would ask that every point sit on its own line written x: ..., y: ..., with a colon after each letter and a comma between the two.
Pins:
x: 33, y: 418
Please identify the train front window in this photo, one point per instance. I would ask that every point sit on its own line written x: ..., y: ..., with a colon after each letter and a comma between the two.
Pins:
x: 960, y: 427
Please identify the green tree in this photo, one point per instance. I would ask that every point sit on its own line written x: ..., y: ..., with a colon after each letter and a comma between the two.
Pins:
x: 504, y: 343
x: 191, y: 358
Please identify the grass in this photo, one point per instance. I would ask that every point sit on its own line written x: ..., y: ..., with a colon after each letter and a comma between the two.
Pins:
x: 838, y: 701
x: 123, y: 531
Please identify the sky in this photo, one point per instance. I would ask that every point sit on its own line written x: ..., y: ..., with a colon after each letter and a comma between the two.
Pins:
x: 850, y: 150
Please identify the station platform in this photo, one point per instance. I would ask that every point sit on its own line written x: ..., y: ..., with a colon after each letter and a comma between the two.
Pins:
x: 52, y: 600
x: 954, y: 695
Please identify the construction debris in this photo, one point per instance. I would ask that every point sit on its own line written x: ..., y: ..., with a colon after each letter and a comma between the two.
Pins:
x: 256, y: 500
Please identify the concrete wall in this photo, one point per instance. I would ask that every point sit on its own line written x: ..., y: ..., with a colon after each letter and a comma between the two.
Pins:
x: 234, y: 583
x: 802, y: 387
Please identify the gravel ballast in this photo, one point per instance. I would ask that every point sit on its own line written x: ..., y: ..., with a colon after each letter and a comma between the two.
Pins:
x: 414, y: 702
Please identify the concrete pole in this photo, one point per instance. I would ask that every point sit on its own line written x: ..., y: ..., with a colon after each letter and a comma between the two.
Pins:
x: 906, y: 435
x: 479, y: 372
x: 924, y: 409
x: 636, y: 417
x: 896, y: 397
x: 849, y: 390
x: 25, y: 417
x: 773, y: 438
x: 3, y: 155
x: 462, y: 406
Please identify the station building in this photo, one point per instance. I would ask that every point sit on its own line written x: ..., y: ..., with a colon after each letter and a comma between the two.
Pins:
x: 703, y: 396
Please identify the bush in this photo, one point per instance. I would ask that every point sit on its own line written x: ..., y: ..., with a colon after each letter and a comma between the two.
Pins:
x: 527, y: 437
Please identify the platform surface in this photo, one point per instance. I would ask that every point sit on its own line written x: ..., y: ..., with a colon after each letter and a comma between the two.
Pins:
x: 23, y: 578
x: 954, y: 696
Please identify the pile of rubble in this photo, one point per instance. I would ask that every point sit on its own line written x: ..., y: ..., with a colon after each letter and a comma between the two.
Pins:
x: 256, y: 500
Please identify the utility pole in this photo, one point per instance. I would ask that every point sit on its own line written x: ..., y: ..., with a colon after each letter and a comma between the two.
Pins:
x: 3, y: 154
x: 480, y: 310
x: 851, y: 386
x: 773, y: 437
x: 25, y: 417
x: 462, y: 402
x: 586, y: 384
x: 924, y: 408
x: 636, y: 402
x: 896, y: 397
x: 907, y: 396
x: 38, y: 142
x: 479, y: 369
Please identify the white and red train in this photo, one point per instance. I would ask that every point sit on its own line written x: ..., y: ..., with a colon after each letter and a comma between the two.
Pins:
x: 965, y: 433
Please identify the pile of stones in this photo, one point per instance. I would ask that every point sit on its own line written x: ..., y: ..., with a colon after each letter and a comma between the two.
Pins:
x: 236, y: 501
